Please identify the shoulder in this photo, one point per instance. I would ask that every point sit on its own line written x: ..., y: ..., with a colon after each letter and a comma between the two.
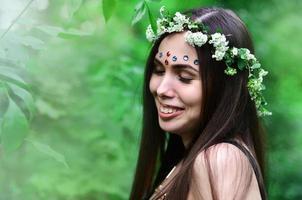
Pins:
x: 220, y: 155
x: 223, y: 171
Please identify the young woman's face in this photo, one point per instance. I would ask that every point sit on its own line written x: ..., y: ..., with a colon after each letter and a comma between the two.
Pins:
x: 176, y: 86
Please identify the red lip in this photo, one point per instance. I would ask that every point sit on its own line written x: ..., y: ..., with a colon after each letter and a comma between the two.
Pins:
x: 167, y: 116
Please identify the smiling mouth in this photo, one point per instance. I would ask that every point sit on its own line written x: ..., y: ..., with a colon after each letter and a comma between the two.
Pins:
x: 169, y: 112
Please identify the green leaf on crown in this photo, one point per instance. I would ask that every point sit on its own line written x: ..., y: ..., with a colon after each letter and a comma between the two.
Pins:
x: 241, y: 64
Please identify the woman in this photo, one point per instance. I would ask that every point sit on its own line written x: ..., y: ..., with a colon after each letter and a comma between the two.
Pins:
x: 201, y: 136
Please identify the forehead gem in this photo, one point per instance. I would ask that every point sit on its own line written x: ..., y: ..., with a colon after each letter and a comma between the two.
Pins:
x: 168, y: 53
x: 186, y: 58
x: 196, y: 62
x: 174, y: 58
x: 166, y: 62
x: 160, y: 54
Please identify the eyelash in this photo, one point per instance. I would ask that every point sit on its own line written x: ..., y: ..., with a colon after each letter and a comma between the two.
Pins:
x: 182, y: 79
x: 185, y: 80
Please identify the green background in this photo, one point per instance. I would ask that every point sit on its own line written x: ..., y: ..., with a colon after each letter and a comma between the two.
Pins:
x: 75, y: 134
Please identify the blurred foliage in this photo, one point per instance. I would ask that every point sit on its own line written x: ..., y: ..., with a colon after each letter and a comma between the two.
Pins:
x: 70, y: 95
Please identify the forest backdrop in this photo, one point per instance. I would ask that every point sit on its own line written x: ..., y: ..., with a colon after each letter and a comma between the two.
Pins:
x: 70, y: 93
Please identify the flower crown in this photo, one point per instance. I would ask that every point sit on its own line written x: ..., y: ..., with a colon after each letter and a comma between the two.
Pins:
x: 197, y: 35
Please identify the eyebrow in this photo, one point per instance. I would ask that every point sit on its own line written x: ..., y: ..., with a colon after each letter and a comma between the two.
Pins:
x: 177, y: 66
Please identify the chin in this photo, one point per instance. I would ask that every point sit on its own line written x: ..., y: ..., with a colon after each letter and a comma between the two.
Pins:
x: 171, y: 128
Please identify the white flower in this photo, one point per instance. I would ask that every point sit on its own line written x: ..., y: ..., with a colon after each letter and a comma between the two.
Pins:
x: 247, y: 52
x: 218, y: 55
x: 197, y: 39
x: 251, y: 57
x: 162, y: 11
x: 221, y: 45
x: 189, y: 38
x: 191, y: 26
x: 263, y: 73
x: 161, y: 29
x: 218, y: 39
x: 176, y: 28
x: 255, y: 85
x: 220, y: 52
x: 216, y: 36
x: 234, y: 51
x: 230, y: 71
x: 222, y: 48
x: 263, y: 112
x: 247, y: 55
x: 180, y: 18
x: 150, y: 34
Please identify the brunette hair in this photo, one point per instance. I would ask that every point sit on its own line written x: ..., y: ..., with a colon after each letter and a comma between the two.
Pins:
x: 227, y: 112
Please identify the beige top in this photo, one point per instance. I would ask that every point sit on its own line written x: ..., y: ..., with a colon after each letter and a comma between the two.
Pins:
x: 227, y: 163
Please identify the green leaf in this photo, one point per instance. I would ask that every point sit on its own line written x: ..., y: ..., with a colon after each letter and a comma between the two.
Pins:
x: 8, y: 74
x: 58, y: 31
x: 50, y: 30
x: 14, y: 128
x: 108, y: 8
x: 46, y: 149
x: 5, y: 71
x: 151, y: 19
x: 73, y: 33
x: 140, y: 10
x: 241, y: 64
x: 4, y: 101
x: 256, y: 66
x: 155, y: 0
x: 23, y: 100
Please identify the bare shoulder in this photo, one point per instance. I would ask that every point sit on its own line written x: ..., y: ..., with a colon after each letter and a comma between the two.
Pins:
x: 225, y: 169
x: 221, y: 155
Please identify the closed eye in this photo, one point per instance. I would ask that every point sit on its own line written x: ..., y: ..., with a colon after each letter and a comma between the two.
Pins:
x: 185, y: 79
x: 185, y: 76
x: 158, y: 70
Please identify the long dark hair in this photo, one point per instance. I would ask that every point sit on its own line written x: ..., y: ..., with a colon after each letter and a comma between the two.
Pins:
x: 227, y: 113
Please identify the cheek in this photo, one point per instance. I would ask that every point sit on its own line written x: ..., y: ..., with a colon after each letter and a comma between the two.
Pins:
x: 192, y: 95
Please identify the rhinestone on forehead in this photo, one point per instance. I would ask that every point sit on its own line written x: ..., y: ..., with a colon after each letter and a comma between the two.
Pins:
x: 196, y: 62
x: 174, y: 58
x: 160, y: 54
x: 186, y: 58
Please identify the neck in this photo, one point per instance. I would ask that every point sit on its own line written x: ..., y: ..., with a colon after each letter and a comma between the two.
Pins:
x: 186, y: 140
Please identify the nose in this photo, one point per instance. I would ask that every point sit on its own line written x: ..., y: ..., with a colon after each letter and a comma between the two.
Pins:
x: 165, y: 88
